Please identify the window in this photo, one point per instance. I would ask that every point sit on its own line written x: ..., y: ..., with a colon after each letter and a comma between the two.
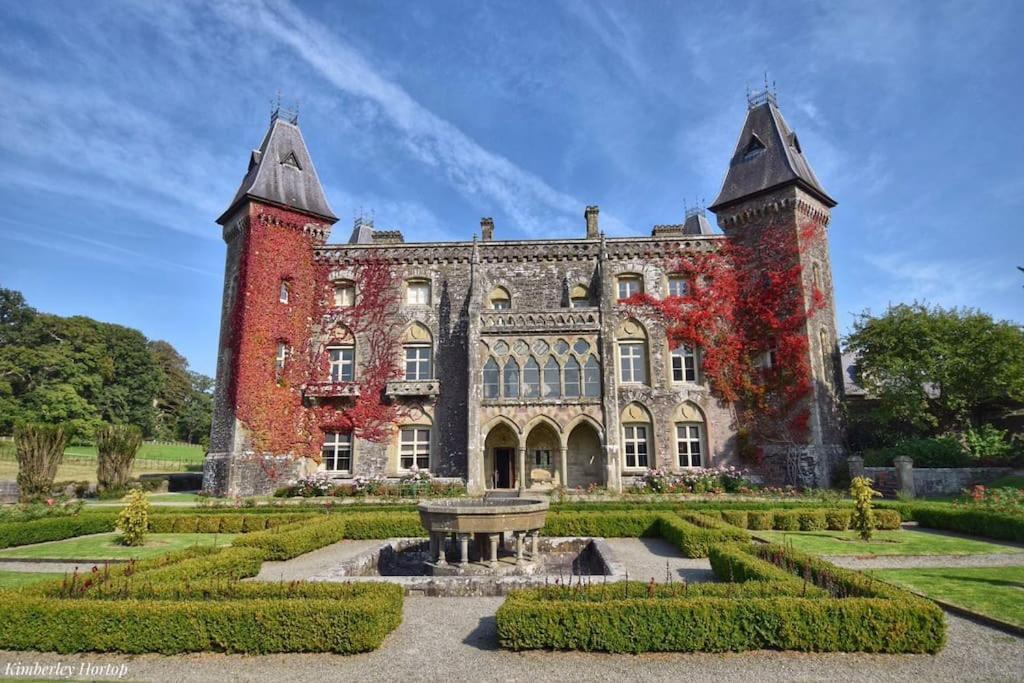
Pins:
x: 343, y: 364
x: 591, y: 377
x: 500, y: 299
x: 816, y: 276
x: 769, y: 359
x: 629, y: 285
x: 826, y: 357
x: 635, y: 441
x: 552, y: 379
x: 282, y: 294
x: 754, y: 149
x: 572, y: 378
x: 684, y: 365
x: 282, y: 355
x: 579, y: 297
x: 677, y: 285
x: 510, y: 377
x: 337, y: 452
x: 688, y: 445
x: 633, y: 362
x: 417, y: 293
x: 491, y: 379
x: 542, y: 457
x: 531, y: 379
x: 415, y: 448
x: 344, y: 294
x: 417, y: 363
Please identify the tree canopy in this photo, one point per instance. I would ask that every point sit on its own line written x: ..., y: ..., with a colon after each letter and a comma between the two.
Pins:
x: 81, y: 372
x: 935, y: 370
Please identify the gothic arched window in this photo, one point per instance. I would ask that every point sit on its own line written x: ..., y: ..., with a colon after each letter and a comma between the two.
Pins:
x: 552, y: 379
x: 510, y: 379
x: 591, y: 377
x: 531, y: 379
x: 491, y: 379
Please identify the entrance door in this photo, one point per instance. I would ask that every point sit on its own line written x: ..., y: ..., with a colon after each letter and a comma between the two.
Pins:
x: 504, y: 468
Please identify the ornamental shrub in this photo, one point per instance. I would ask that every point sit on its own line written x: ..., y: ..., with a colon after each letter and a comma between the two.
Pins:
x: 133, y: 520
x: 55, y: 528
x: 760, y: 519
x: 117, y: 446
x: 786, y: 520
x: 696, y: 541
x: 39, y: 449
x: 614, y: 524
x: 998, y: 525
x: 863, y: 519
x: 736, y: 518
x: 839, y: 520
x: 812, y: 520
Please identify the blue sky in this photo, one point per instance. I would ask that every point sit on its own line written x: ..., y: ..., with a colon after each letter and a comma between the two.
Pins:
x: 125, y: 129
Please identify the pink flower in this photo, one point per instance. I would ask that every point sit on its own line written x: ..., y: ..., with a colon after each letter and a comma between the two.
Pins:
x: 49, y: 501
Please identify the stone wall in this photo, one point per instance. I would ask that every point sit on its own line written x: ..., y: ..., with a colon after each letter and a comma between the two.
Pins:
x: 925, y: 482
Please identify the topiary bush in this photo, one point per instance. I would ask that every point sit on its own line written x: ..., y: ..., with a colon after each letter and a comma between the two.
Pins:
x: 812, y: 520
x: 786, y: 520
x: 117, y: 446
x: 863, y: 519
x: 133, y: 520
x: 39, y: 449
x: 760, y: 519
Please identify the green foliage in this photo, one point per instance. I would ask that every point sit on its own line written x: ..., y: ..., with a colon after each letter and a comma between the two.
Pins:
x: 976, y: 522
x: 133, y: 520
x: 786, y: 520
x: 292, y: 540
x: 696, y: 534
x: 988, y: 443
x: 812, y: 520
x: 55, y: 528
x: 760, y: 519
x: 935, y: 370
x: 39, y: 449
x: 117, y: 446
x: 940, y: 451
x: 839, y: 520
x: 611, y: 524
x: 863, y: 519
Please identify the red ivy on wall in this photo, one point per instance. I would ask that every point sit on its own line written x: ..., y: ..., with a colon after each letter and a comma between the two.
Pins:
x: 746, y: 302
x: 269, y: 400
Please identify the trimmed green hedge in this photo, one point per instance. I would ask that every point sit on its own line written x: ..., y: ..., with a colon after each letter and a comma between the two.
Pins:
x: 999, y: 525
x: 221, y: 523
x: 298, y: 538
x: 808, y: 519
x: 612, y: 619
x: 695, y: 534
x: 55, y: 528
x: 614, y: 524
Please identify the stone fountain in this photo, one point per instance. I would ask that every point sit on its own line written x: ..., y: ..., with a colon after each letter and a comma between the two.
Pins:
x: 486, y: 522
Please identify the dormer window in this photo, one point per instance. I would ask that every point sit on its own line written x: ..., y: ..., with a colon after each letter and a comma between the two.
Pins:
x: 754, y: 149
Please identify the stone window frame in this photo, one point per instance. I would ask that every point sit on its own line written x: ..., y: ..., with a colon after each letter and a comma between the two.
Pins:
x: 282, y: 351
x: 636, y: 415
x: 336, y: 442
x: 626, y: 277
x: 579, y: 297
x: 671, y: 278
x: 338, y: 299
x: 419, y: 346
x: 497, y: 370
x: 695, y: 354
x: 341, y: 362
x: 415, y: 428
x: 827, y: 361
x: 700, y: 441
x: 630, y: 438
x: 412, y: 284
x: 499, y: 293
x: 284, y: 291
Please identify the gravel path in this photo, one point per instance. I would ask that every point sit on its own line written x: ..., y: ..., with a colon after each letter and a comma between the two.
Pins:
x: 647, y: 558
x: 55, y: 567
x: 314, y: 563
x: 928, y: 561
x: 454, y: 639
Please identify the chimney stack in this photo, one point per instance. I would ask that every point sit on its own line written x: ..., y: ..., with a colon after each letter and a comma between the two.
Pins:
x: 591, y: 215
x: 487, y: 229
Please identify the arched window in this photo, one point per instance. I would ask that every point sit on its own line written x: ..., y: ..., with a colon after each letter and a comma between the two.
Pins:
x: 632, y: 345
x: 636, y: 434
x: 552, y: 379
x: 579, y: 297
x: 684, y: 364
x: 572, y: 378
x: 510, y: 379
x: 491, y: 374
x: 531, y: 379
x: 591, y: 377
x: 816, y: 276
x: 629, y: 284
x: 499, y: 299
x: 283, y: 292
x: 417, y: 293
x: 344, y: 294
x: 689, y: 444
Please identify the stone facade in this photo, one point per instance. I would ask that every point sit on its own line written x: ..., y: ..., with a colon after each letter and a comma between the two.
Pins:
x: 528, y: 387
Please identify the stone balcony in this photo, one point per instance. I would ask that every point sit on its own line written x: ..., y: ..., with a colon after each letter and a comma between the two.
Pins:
x: 331, y: 390
x: 425, y: 387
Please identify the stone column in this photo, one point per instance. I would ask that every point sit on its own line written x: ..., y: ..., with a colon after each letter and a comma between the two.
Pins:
x: 905, y: 474
x: 493, y: 543
x: 440, y: 549
x: 521, y: 467
x: 433, y: 546
x: 563, y: 465
x: 463, y: 549
x: 533, y: 545
x: 856, y: 465
x: 519, y: 546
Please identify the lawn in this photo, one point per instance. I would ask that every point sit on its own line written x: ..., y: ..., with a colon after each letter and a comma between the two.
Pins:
x: 993, y: 591
x: 106, y: 547
x: 19, y: 579
x: 900, y: 542
x: 173, y: 452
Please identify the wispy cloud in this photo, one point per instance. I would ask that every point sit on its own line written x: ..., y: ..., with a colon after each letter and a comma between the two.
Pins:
x: 948, y: 282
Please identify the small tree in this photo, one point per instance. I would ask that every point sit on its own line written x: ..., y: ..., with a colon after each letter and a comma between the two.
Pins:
x: 117, y: 445
x: 39, y: 449
x: 133, y: 520
x: 863, y: 513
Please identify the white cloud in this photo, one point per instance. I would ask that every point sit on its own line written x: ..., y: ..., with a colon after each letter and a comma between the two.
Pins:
x: 947, y: 282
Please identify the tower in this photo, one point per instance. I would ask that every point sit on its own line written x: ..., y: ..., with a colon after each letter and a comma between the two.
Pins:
x: 278, y: 216
x: 770, y: 187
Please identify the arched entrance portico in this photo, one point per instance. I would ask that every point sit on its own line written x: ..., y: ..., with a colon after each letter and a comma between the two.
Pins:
x: 585, y: 459
x: 501, y: 448
x: 543, y: 456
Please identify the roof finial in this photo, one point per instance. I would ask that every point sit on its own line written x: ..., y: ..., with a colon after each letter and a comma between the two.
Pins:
x: 278, y: 111
x: 756, y: 99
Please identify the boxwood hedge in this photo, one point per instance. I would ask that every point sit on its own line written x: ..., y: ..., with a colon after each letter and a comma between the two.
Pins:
x: 999, y: 525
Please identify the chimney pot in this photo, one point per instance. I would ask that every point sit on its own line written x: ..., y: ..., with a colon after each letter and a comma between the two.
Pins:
x: 487, y: 229
x: 590, y: 214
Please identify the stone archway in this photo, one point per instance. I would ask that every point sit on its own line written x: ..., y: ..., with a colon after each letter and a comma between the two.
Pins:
x: 585, y: 457
x: 501, y: 448
x: 543, y: 450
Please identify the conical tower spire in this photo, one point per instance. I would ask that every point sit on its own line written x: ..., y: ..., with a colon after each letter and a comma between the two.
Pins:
x: 281, y: 173
x: 768, y: 157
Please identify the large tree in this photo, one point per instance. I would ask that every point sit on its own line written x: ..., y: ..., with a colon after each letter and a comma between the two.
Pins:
x: 175, y: 387
x: 936, y: 370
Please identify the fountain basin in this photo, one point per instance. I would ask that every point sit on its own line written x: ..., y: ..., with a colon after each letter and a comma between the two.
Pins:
x: 487, y: 516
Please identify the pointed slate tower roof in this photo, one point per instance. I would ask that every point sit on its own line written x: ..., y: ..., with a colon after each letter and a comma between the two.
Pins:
x: 281, y: 173
x: 767, y: 157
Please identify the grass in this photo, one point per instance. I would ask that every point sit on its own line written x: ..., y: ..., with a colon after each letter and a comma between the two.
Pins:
x: 993, y: 591
x: 882, y: 543
x: 106, y: 547
x: 19, y: 579
x: 80, y: 461
x: 173, y: 452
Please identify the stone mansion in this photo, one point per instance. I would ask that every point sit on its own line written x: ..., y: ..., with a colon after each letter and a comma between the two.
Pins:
x: 521, y: 371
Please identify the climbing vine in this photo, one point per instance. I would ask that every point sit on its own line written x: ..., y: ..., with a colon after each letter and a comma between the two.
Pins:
x: 745, y: 308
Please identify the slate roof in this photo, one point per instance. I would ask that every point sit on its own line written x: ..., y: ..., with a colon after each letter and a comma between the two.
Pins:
x: 281, y: 172
x: 697, y: 224
x: 768, y: 156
